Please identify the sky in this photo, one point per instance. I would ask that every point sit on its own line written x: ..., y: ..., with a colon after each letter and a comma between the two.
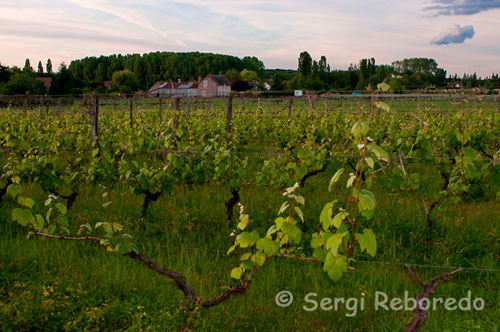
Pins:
x: 463, y: 36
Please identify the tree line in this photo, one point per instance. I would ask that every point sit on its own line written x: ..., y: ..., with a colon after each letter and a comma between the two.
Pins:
x: 134, y: 72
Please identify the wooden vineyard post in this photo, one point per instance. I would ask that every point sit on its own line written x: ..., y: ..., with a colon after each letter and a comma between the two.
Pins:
x: 114, y: 104
x: 131, y: 112
x: 311, y: 104
x: 94, y: 118
x: 229, y: 114
x: 326, y: 106
x: 41, y: 108
x: 177, y: 111
x: 25, y: 105
x: 160, y: 106
x: 290, y: 104
x: 189, y: 107
x: 259, y: 109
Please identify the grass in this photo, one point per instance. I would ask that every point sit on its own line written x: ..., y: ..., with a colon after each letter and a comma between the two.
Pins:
x: 54, y: 285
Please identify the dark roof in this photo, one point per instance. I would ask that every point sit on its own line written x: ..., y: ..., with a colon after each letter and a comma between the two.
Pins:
x: 220, y: 80
x: 173, y: 85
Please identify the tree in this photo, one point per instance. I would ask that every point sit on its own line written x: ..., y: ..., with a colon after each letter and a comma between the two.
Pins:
x: 240, y: 85
x: 233, y: 75
x: 27, y: 66
x: 4, y: 74
x: 40, y: 68
x: 124, y: 81
x: 253, y: 63
x: 24, y: 82
x: 249, y: 75
x: 305, y: 63
x: 324, y: 67
x: 278, y: 83
x: 62, y: 83
x: 48, y: 67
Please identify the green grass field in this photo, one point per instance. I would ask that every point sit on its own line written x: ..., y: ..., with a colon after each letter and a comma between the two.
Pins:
x: 57, y: 285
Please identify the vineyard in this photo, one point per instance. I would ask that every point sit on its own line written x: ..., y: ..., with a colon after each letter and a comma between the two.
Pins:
x: 192, y: 214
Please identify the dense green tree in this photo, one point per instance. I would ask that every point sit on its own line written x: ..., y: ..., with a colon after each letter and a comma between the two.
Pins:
x: 278, y: 83
x: 48, y: 67
x: 233, y: 75
x: 124, y: 81
x: 4, y: 74
x: 249, y: 75
x: 40, y: 68
x: 27, y: 66
x: 323, y: 65
x: 305, y: 63
x: 62, y: 82
x: 253, y: 63
x: 20, y: 83
x: 240, y: 85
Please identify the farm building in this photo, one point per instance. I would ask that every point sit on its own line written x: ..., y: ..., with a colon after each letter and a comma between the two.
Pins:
x: 214, y: 86
x: 176, y: 89
x: 46, y: 80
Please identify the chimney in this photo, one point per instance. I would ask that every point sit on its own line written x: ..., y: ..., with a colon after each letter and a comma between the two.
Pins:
x: 209, y: 74
x: 199, y: 79
x: 178, y: 80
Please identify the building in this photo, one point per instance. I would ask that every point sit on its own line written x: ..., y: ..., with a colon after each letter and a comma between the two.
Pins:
x: 46, y: 80
x: 214, y: 86
x: 175, y: 89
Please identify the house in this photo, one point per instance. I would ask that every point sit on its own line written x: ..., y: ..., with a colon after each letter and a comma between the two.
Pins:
x: 175, y: 89
x: 214, y: 86
x: 46, y: 80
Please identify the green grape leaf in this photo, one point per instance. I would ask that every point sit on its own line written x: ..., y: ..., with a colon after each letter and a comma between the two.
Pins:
x: 26, y: 201
x: 62, y: 208
x: 383, y: 106
x: 13, y: 190
x: 22, y: 216
x: 383, y: 86
x: 335, y: 178
x: 299, y: 212
x: 293, y: 232
x: 268, y: 246
x: 366, y: 203
x: 326, y: 216
x: 339, y: 218
x: 236, y: 273
x: 334, y: 243
x: 335, y: 266
x: 367, y: 241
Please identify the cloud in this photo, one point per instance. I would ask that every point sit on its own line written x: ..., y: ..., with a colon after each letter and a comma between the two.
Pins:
x: 461, y: 7
x: 129, y: 15
x: 454, y: 35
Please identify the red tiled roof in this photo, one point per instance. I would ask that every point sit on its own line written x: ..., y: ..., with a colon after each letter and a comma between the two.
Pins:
x: 46, y: 81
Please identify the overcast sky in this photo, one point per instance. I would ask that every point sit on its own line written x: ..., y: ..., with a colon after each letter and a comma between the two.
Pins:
x: 461, y: 35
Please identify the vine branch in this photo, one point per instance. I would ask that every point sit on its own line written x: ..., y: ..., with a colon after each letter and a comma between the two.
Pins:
x: 418, y: 319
